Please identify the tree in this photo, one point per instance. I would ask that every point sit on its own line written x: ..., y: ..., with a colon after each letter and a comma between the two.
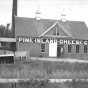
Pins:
x: 2, y: 31
x: 5, y: 31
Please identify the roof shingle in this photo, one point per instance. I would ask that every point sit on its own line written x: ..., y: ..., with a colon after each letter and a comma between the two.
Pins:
x: 33, y: 27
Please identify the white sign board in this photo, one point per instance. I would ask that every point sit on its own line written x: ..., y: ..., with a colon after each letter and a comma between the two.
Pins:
x: 21, y: 53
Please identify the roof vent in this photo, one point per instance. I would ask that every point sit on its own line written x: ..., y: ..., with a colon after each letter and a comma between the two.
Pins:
x: 37, y: 15
x: 63, y: 17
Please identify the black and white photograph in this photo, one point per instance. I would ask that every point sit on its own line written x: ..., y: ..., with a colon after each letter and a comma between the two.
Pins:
x: 43, y: 43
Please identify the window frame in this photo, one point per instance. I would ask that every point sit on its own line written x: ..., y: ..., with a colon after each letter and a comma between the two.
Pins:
x: 56, y: 31
x: 77, y: 48
x: 42, y: 47
x: 85, y: 48
x: 69, y: 48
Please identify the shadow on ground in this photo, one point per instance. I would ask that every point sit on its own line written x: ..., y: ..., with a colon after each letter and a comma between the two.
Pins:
x: 44, y: 84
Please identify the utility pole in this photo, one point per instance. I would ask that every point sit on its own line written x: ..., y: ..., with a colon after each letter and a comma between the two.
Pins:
x: 14, y: 13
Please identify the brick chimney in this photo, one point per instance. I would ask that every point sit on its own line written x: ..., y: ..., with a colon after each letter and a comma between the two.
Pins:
x: 14, y: 13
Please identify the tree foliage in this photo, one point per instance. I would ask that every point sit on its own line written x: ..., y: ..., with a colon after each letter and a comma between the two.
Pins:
x: 5, y: 31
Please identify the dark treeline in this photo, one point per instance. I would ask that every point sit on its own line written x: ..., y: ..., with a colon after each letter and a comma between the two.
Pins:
x: 5, y: 31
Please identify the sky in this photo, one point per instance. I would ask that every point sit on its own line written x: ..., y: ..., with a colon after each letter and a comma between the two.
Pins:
x: 50, y: 9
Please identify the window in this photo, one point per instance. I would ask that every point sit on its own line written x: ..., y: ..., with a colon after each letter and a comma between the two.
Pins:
x: 69, y: 48
x: 44, y: 40
x: 85, y: 49
x: 12, y: 46
x: 56, y: 31
x: 43, y: 47
x: 3, y: 43
x: 77, y: 48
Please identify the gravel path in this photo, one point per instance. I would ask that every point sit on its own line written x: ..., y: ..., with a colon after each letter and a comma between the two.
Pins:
x: 70, y: 60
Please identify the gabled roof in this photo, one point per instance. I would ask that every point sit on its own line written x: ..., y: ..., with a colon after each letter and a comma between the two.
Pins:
x: 78, y: 29
x: 61, y: 26
x: 33, y: 27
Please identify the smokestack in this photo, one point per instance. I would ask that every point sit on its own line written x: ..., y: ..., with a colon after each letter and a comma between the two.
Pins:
x: 14, y: 13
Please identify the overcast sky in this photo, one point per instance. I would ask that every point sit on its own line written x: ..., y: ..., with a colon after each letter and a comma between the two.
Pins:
x: 50, y: 9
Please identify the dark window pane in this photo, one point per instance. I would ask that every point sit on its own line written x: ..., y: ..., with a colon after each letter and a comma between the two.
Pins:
x: 44, y: 40
x: 13, y: 46
x: 54, y: 32
x: 57, y: 33
x: 69, y: 48
x: 3, y: 43
x: 77, y: 48
x: 42, y: 47
x: 85, y: 49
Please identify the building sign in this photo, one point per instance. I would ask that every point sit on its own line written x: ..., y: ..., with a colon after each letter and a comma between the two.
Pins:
x: 35, y: 40
x: 51, y: 40
x: 77, y: 42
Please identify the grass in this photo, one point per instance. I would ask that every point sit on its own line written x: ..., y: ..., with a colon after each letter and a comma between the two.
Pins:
x: 44, y: 70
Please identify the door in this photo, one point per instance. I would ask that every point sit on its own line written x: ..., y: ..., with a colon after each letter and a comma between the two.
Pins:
x: 59, y: 50
x: 53, y: 49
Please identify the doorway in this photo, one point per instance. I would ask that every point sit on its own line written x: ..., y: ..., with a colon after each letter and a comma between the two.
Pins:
x: 60, y: 50
x: 53, y: 49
